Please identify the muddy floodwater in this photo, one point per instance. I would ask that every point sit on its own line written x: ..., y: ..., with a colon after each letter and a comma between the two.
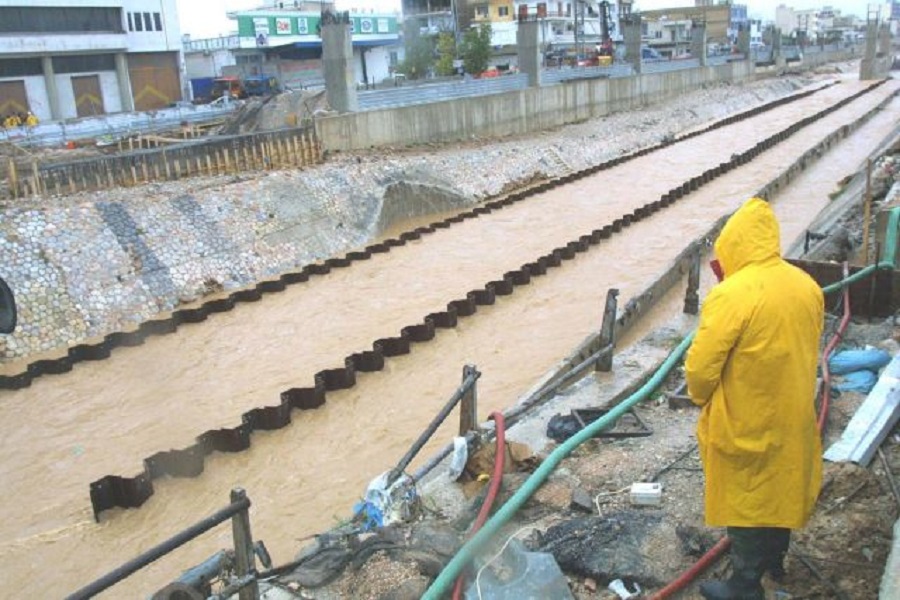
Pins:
x: 103, y: 418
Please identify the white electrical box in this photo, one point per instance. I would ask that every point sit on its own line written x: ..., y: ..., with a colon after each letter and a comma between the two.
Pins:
x: 646, y: 494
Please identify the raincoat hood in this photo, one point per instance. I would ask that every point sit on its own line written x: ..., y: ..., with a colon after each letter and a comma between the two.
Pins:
x: 751, y: 235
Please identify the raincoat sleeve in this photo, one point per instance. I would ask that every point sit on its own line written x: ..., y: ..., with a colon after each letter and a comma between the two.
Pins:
x: 721, y: 323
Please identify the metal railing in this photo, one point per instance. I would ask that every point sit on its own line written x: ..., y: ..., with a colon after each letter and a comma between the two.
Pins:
x: 434, y: 92
x: 245, y: 570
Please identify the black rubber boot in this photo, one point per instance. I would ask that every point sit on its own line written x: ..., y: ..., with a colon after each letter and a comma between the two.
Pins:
x: 779, y: 540
x: 748, y: 561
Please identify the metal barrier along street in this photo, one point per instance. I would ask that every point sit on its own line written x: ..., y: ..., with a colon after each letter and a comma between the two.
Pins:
x: 245, y: 570
x: 435, y: 92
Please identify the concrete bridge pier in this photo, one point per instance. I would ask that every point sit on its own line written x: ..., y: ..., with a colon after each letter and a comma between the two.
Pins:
x: 877, y: 58
x: 698, y: 43
x: 529, y: 51
x: 337, y: 62
x: 632, y: 35
x: 777, y: 53
x: 743, y: 42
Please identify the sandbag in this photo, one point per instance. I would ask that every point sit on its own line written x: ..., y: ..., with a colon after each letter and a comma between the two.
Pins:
x: 858, y: 381
x: 848, y: 361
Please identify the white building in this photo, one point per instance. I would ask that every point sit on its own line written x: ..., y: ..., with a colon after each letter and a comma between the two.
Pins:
x: 283, y: 41
x: 73, y: 58
x: 207, y: 57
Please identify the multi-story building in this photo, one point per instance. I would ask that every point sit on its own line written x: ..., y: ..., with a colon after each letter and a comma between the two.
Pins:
x: 63, y: 59
x: 738, y: 21
x: 564, y: 24
x: 432, y: 16
x: 282, y: 39
x: 207, y: 57
x: 669, y: 29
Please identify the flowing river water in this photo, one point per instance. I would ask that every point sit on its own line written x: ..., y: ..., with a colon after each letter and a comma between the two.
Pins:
x: 104, y: 417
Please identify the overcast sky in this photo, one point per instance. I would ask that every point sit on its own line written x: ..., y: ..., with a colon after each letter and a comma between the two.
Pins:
x: 206, y: 18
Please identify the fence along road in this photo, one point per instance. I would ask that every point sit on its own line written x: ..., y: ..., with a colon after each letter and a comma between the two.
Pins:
x: 425, y: 93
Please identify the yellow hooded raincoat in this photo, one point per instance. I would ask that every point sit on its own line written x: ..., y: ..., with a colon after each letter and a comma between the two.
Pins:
x: 752, y: 368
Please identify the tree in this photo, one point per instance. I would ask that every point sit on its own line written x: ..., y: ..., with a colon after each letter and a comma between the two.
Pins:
x: 419, y: 52
x: 476, y: 48
x: 446, y: 49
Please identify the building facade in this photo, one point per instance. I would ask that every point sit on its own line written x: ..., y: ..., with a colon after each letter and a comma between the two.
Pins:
x: 208, y: 57
x: 64, y: 59
x: 283, y: 41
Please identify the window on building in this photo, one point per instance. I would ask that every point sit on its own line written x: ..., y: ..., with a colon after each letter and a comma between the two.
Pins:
x: 393, y: 58
x: 503, y: 11
x: 20, y: 67
x: 148, y: 22
x: 84, y: 63
x: 247, y: 59
x: 130, y: 23
x: 568, y: 9
x: 138, y: 22
x: 157, y: 20
x: 559, y: 9
x: 481, y: 11
x: 60, y: 19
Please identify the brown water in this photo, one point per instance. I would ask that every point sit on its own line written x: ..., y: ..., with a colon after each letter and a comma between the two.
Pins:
x: 107, y: 416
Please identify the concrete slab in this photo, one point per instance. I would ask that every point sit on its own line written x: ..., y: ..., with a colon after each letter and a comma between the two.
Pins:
x: 872, y: 422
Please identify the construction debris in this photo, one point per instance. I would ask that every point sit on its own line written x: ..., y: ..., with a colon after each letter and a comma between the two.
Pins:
x: 287, y: 109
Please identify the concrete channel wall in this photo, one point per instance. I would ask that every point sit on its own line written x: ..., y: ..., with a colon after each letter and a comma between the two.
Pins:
x: 516, y: 112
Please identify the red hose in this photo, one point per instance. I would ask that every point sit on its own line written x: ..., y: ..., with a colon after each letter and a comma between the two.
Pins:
x: 716, y: 551
x: 493, y: 491
x: 826, y: 354
x: 685, y: 578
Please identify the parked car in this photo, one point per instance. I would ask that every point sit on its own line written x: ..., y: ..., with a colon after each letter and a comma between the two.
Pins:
x: 648, y: 53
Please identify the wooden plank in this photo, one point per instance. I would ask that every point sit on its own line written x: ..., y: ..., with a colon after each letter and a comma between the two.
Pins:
x: 13, y: 178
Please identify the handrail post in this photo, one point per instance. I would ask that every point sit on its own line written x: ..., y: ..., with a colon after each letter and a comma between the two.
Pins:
x: 691, y: 296
x: 608, y: 330
x: 243, y: 547
x: 468, y: 408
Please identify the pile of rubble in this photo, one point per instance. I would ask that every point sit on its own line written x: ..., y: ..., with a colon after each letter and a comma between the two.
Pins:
x: 291, y: 108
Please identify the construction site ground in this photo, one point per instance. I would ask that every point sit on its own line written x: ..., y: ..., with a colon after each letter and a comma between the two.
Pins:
x: 601, y: 535
x: 583, y: 513
x: 584, y: 516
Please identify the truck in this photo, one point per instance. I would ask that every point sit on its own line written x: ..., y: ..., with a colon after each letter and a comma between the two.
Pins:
x: 227, y: 85
x: 252, y: 85
x: 261, y: 85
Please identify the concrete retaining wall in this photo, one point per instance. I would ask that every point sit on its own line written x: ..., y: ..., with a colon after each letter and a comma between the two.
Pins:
x: 518, y: 112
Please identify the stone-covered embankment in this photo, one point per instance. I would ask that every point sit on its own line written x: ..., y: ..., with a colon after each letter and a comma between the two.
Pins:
x: 86, y: 265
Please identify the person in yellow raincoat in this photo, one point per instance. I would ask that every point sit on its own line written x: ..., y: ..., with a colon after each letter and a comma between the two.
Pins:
x: 752, y: 369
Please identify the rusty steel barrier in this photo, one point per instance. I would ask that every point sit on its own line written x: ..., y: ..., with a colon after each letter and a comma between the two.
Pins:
x: 296, y: 147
